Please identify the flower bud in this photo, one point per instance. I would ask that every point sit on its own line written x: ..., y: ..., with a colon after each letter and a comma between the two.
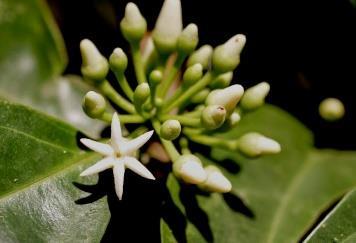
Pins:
x: 155, y: 77
x: 200, y: 97
x: 215, y: 181
x: 133, y: 25
x: 226, y: 57
x: 141, y: 94
x: 170, y: 129
x: 331, y: 109
x: 234, y: 119
x: 222, y: 81
x: 189, y: 169
x: 95, y: 67
x: 254, y: 144
x: 228, y: 97
x: 202, y: 56
x: 118, y: 61
x: 213, y: 116
x: 188, y: 39
x: 168, y: 27
x: 254, y: 97
x: 94, y: 104
x: 192, y: 74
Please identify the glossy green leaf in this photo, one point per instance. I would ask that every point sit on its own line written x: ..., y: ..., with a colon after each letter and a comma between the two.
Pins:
x: 339, y: 225
x: 32, y: 58
x: 274, y: 198
x: 39, y: 162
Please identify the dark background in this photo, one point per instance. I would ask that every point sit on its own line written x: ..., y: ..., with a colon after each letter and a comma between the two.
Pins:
x: 306, y: 49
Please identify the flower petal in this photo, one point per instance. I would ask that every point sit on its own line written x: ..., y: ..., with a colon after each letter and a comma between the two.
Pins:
x: 137, y: 167
x: 119, y: 171
x: 101, y: 148
x: 129, y: 147
x: 100, y: 166
x: 116, y: 135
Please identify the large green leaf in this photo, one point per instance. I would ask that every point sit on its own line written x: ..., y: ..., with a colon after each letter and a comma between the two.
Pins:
x: 32, y: 57
x: 274, y: 198
x: 339, y: 225
x: 39, y: 162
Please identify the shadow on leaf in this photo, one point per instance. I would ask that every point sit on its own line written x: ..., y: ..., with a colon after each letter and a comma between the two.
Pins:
x: 236, y: 204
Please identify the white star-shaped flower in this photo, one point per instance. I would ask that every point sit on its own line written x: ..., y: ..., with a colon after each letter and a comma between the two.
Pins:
x: 119, y: 155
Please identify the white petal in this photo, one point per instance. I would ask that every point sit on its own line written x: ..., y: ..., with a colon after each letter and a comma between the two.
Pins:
x: 137, y: 167
x: 101, y: 148
x: 129, y: 147
x: 116, y: 135
x: 119, y: 172
x: 100, y: 166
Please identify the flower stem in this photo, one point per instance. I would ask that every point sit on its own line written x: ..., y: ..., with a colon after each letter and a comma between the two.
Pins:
x: 184, y: 120
x: 123, y: 118
x: 124, y: 85
x: 137, y: 60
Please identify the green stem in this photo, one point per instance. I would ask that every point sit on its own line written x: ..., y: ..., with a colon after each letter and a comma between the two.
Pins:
x: 123, y: 118
x: 137, y: 60
x: 168, y: 145
x: 124, y: 85
x: 186, y: 121
x: 137, y: 132
x: 211, y: 141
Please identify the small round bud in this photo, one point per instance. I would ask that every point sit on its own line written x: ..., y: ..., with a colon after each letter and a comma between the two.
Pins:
x: 331, y: 109
x: 118, y: 61
x: 192, y: 74
x: 189, y: 169
x: 215, y: 181
x: 168, y: 27
x: 159, y: 102
x: 142, y: 92
x: 188, y: 39
x: 213, y: 116
x: 94, y: 104
x: 170, y: 129
x: 254, y: 144
x: 200, y: 97
x: 228, y: 97
x: 133, y: 25
x: 222, y: 81
x: 234, y: 119
x: 254, y: 97
x: 226, y: 57
x: 202, y: 56
x: 155, y: 77
x: 95, y: 67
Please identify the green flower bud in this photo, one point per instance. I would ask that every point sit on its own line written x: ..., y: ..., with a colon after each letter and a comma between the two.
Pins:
x: 158, y: 102
x: 213, y: 116
x: 133, y: 25
x: 234, y: 119
x: 192, y: 74
x: 94, y: 104
x: 228, y: 97
x: 95, y: 67
x: 168, y: 27
x: 226, y: 57
x: 331, y: 109
x: 189, y: 169
x: 215, y: 181
x: 200, y: 97
x: 202, y: 56
x: 254, y: 97
x: 188, y: 39
x: 142, y: 93
x: 118, y: 61
x: 254, y: 144
x: 170, y: 129
x: 155, y: 77
x: 222, y: 81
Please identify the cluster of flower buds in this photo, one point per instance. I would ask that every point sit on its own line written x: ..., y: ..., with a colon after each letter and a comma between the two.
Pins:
x: 182, y: 92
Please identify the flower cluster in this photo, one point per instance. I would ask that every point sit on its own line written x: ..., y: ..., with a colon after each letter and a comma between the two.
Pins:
x: 183, y: 92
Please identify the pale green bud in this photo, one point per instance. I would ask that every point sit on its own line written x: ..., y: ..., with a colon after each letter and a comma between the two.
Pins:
x: 213, y: 116
x: 159, y: 102
x: 202, y: 56
x: 234, y: 119
x: 94, y: 104
x: 133, y: 25
x: 95, y: 67
x: 254, y: 97
x: 222, y: 81
x: 331, y: 109
x: 189, y: 169
x: 118, y: 61
x: 254, y: 144
x: 188, y: 39
x: 226, y: 57
x: 168, y: 26
x: 170, y: 129
x: 200, y: 97
x: 155, y: 77
x: 228, y: 97
x: 142, y: 93
x: 192, y: 74
x: 215, y: 181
